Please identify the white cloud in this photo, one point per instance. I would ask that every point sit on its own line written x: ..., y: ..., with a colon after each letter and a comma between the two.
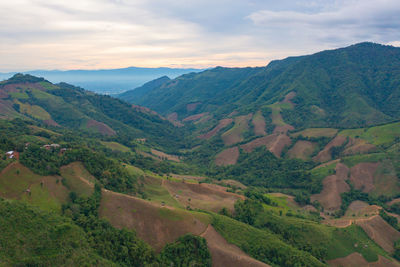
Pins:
x: 116, y: 33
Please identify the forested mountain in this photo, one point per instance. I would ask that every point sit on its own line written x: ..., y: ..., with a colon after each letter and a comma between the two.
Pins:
x: 348, y: 87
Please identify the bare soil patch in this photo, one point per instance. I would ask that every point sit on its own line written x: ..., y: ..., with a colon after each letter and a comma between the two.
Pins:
x: 173, y: 118
x: 235, y: 134
x: 202, y: 196
x: 394, y: 201
x: 224, y: 254
x: 100, y: 127
x: 325, y: 154
x: 192, y: 106
x: 164, y: 156
x: 361, y: 209
x: 227, y: 157
x: 302, y: 149
x: 52, y: 123
x: 380, y: 231
x: 222, y: 123
x: 283, y: 129
x: 333, y: 186
x: 289, y: 97
x: 153, y: 223
x: 279, y: 144
x: 259, y: 124
x: 358, y: 146
x: 194, y: 117
x: 362, y: 176
x: 232, y: 183
x: 273, y: 142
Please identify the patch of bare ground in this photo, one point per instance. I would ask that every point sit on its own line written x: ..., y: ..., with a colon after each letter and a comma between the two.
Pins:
x: 195, y: 117
x: 358, y: 146
x: 204, y: 196
x: 360, y: 208
x: 192, y: 106
x: 145, y: 154
x: 317, y: 132
x: 146, y: 110
x: 153, y: 223
x: 333, y: 186
x: 100, y: 127
x: 302, y: 149
x: 362, y: 176
x: 355, y: 259
x: 380, y: 231
x: 259, y: 124
x: 173, y: 118
x: 273, y: 142
x: 224, y: 254
x: 189, y: 177
x: 289, y: 97
x: 283, y: 129
x: 325, y: 154
x: 164, y: 156
x: 235, y: 134
x: 227, y: 157
x: 222, y: 123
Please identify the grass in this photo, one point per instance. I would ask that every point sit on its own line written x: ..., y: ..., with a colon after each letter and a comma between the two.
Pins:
x: 318, y: 174
x: 156, y: 193
x: 276, y: 116
x: 15, y: 181
x: 114, y: 146
x: 282, y: 205
x: 317, y: 132
x: 351, y: 161
x: 71, y: 174
x: 19, y: 95
x: 172, y: 215
x: 383, y: 135
x: 34, y: 111
x: 235, y: 134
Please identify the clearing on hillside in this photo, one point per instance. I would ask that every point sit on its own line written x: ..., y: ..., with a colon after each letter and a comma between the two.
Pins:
x: 273, y: 142
x: 302, y: 150
x: 359, y: 208
x: 155, y: 224
x: 225, y: 254
x: 235, y: 134
x: 203, y: 196
x: 164, y: 156
x: 227, y: 157
x: 100, y: 127
x: 333, y: 186
x: 114, y: 146
x: 195, y: 117
x: 380, y: 231
x: 77, y: 178
x: 362, y: 176
x: 325, y: 154
x: 222, y: 124
x: 358, y: 146
x: 259, y: 124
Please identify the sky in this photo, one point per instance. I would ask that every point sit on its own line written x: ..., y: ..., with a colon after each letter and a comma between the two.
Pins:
x: 99, y: 34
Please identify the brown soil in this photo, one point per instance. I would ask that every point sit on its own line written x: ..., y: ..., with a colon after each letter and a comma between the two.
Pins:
x: 232, y: 183
x: 100, y: 127
x: 224, y: 254
x: 204, y: 196
x: 51, y: 123
x: 362, y: 176
x: 195, y: 117
x: 279, y: 144
x: 262, y: 141
x: 357, y: 260
x: 235, y: 134
x: 325, y: 154
x: 394, y: 201
x: 148, y: 155
x: 192, y: 106
x: 173, y: 118
x: 358, y: 146
x: 302, y: 149
x: 146, y: 110
x: 283, y: 129
x: 274, y: 143
x: 222, y: 123
x: 380, y: 231
x: 163, y: 155
x: 259, y: 124
x: 289, y: 97
x: 360, y: 208
x: 333, y: 186
x: 227, y: 157
x: 153, y: 223
x: 188, y: 177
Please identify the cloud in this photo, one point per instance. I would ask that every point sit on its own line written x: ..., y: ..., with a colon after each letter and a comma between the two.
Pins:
x: 118, y: 33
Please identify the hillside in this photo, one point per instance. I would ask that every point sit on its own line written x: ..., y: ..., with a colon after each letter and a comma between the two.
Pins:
x: 347, y: 87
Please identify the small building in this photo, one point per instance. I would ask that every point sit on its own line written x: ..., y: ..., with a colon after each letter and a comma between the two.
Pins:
x: 51, y: 146
x: 12, y: 154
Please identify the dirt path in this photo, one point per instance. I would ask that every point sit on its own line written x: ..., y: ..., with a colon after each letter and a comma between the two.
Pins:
x: 225, y: 254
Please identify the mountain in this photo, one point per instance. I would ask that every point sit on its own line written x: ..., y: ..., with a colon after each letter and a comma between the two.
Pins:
x: 106, y: 81
x: 131, y: 95
x: 64, y: 105
x: 348, y: 87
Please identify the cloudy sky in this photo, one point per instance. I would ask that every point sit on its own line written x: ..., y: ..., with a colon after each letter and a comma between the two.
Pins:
x: 93, y: 34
